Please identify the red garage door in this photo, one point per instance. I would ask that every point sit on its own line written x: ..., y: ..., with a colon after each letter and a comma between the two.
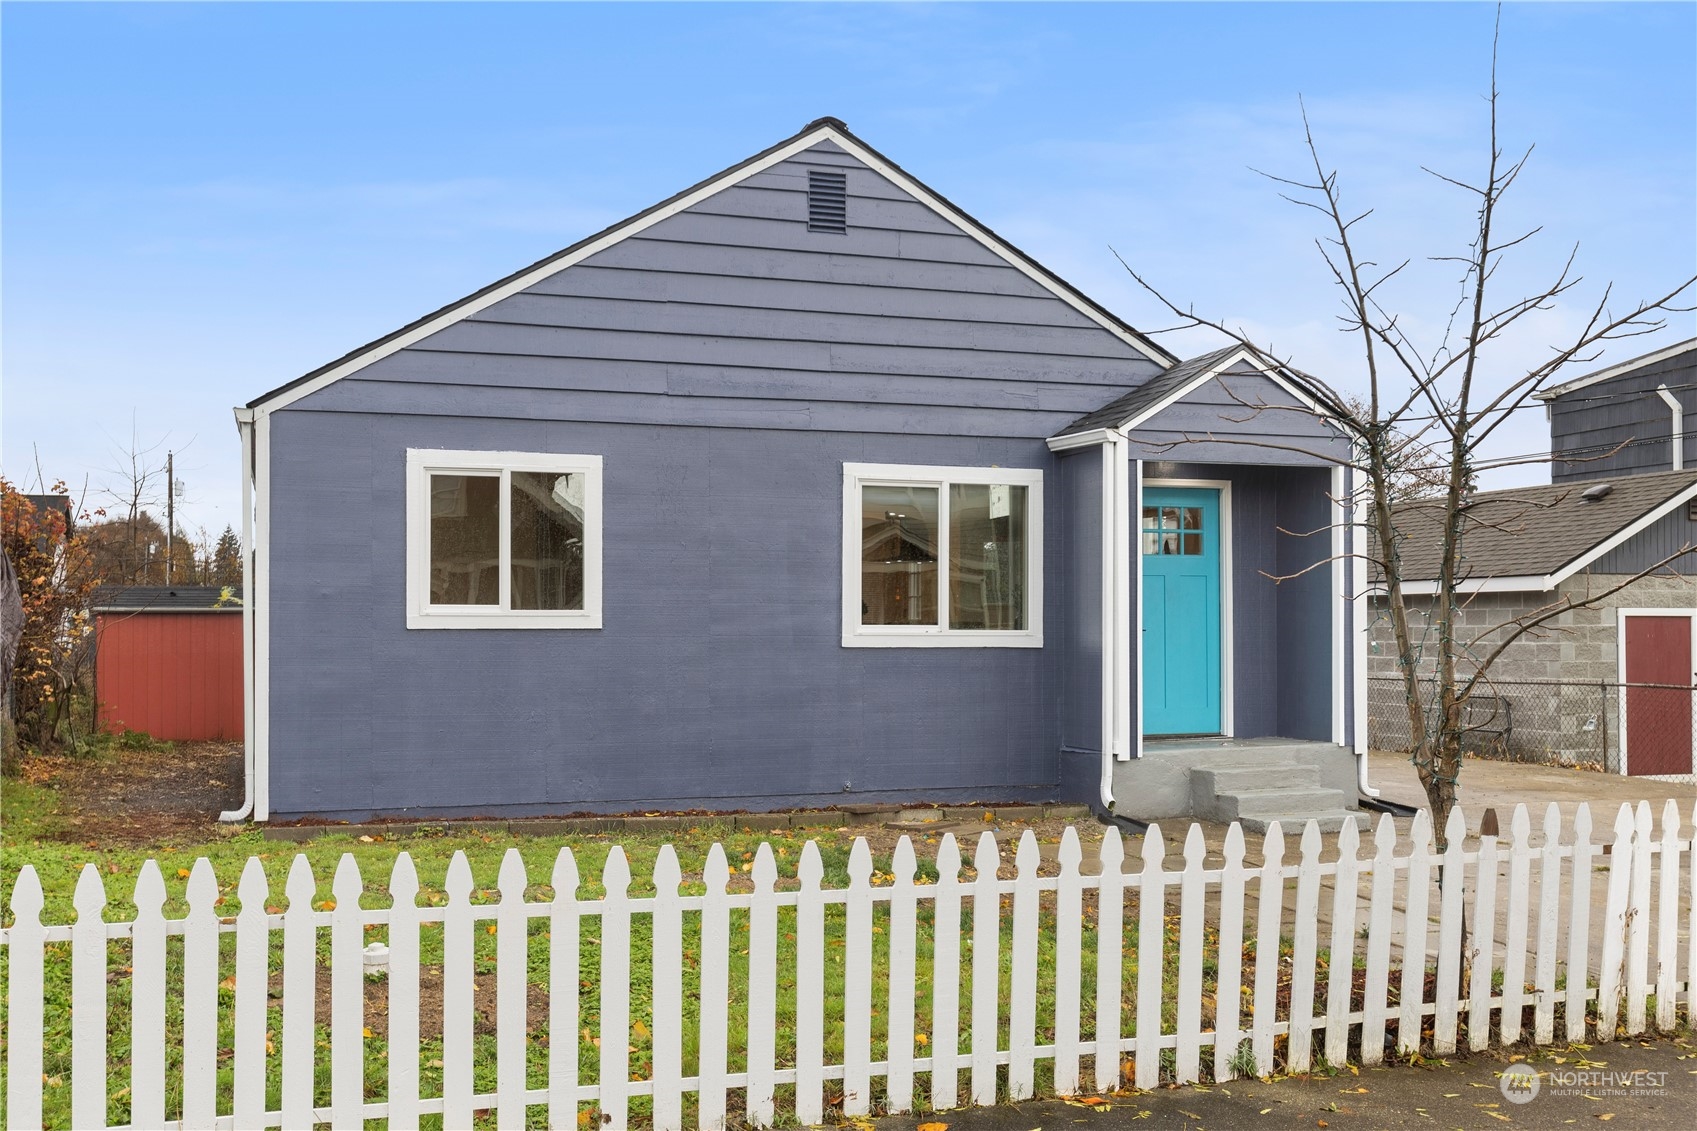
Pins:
x: 1658, y: 719
x: 175, y: 675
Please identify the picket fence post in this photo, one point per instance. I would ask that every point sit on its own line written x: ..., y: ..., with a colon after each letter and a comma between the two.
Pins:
x: 1376, y: 988
x: 810, y: 988
x: 88, y: 997
x: 1611, y: 966
x: 25, y: 945
x: 200, y: 1001
x: 253, y: 938
x: 1691, y: 923
x: 1187, y: 1050
x: 1483, y: 949
x: 1638, y: 921
x: 666, y: 1025
x: 1340, y: 967
x: 300, y: 971
x: 1110, y: 973
x: 512, y: 959
x: 614, y: 1077
x: 1270, y: 915
x: 1069, y: 919
x: 1304, y: 954
x: 945, y: 979
x: 1151, y: 940
x: 1417, y: 930
x: 1228, y: 986
x: 715, y: 984
x: 1452, y: 885
x: 904, y: 918
x: 762, y: 988
x: 857, y: 983
x: 147, y: 1001
x: 403, y: 993
x: 1022, y: 980
x: 347, y: 998
x: 1579, y: 928
x: 986, y: 968
x: 1514, y: 938
x: 1667, y: 919
x: 1549, y: 923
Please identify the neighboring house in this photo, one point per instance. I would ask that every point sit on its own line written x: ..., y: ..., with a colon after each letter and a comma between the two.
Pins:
x: 1530, y: 548
x: 168, y: 661
x: 1626, y: 419
x: 800, y: 488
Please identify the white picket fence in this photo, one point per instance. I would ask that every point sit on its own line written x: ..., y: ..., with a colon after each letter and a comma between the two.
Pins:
x: 1544, y: 955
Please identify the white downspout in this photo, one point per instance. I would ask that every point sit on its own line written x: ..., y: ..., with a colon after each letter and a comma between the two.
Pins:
x: 1362, y: 625
x: 1678, y: 426
x: 1106, y: 784
x: 244, y: 426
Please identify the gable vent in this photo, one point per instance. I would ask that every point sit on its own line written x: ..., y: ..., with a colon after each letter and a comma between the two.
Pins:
x: 827, y: 201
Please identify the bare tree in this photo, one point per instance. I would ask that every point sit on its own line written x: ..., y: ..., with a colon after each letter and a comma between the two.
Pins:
x: 1429, y: 410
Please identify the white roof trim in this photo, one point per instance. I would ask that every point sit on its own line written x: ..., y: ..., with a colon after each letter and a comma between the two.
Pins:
x: 1521, y: 584
x: 1612, y: 371
x: 804, y: 141
x: 1269, y: 371
x: 1080, y: 439
x: 1625, y: 535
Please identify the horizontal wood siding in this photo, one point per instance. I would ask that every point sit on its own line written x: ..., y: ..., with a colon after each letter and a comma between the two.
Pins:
x: 177, y: 675
x: 1238, y: 418
x: 1624, y: 413
x: 1667, y: 536
x: 718, y: 681
x: 1078, y: 477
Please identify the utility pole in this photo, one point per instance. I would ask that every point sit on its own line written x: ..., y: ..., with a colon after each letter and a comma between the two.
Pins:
x: 170, y: 510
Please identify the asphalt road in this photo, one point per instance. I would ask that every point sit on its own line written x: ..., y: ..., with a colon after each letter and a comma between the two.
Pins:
x: 1459, y: 1092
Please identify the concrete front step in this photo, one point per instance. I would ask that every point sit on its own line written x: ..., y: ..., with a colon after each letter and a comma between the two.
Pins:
x: 1210, y: 781
x: 1275, y: 803
x: 1292, y: 824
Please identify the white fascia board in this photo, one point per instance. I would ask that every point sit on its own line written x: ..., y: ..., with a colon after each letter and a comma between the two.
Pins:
x: 1644, y: 522
x: 1601, y: 375
x: 1080, y: 440
x: 727, y: 180
x: 1521, y: 584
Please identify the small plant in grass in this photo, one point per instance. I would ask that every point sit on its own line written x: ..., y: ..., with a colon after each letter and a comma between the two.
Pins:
x: 1243, y: 1061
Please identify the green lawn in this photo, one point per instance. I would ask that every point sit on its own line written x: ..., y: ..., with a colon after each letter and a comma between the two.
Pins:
x: 36, y: 826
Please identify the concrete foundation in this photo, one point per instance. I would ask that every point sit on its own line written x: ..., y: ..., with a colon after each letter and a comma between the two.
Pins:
x: 1160, y: 784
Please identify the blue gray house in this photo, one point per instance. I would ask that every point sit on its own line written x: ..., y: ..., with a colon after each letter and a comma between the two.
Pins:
x: 800, y: 488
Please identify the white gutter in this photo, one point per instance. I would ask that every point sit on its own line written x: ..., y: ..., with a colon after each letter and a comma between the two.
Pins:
x: 1678, y: 426
x: 244, y: 425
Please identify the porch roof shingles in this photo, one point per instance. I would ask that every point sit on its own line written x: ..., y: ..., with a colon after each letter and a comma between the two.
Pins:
x: 1530, y: 531
x: 1151, y: 392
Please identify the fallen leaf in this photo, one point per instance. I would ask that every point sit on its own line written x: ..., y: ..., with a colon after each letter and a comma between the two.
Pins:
x: 1265, y: 1110
x: 366, y: 1031
x: 640, y: 1029
x: 921, y: 1039
x: 365, y: 840
x: 1606, y: 1115
x: 1321, y: 1123
x: 933, y: 1127
x: 327, y: 905
x: 182, y: 873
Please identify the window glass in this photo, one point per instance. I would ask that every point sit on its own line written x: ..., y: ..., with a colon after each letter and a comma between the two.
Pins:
x: 898, y: 555
x: 547, y: 511
x: 987, y: 556
x: 465, y: 540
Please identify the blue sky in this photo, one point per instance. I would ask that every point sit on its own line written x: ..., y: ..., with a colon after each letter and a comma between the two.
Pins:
x: 202, y: 201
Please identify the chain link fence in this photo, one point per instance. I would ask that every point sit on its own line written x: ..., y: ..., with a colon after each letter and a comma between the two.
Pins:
x: 1557, y: 723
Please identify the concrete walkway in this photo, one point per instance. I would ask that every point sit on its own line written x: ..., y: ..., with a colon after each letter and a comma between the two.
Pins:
x: 1630, y: 1084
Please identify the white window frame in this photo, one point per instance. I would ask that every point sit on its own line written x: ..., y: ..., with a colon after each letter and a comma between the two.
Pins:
x: 857, y: 635
x: 424, y: 462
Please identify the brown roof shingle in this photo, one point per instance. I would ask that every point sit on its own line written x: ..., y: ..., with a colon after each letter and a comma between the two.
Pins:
x: 1531, y: 531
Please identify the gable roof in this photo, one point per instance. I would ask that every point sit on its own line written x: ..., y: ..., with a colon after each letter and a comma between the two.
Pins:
x: 1541, y: 534
x: 821, y: 129
x: 1621, y: 370
x: 1171, y: 385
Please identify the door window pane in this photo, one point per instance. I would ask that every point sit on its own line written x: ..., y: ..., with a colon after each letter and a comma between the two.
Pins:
x: 1193, y: 544
x: 465, y: 540
x: 1193, y: 518
x: 547, y: 539
x: 987, y: 556
x: 898, y: 555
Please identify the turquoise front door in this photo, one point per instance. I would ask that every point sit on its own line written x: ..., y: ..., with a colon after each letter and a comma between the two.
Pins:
x: 1179, y: 539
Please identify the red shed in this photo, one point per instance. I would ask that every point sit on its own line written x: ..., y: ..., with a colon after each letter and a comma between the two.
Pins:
x: 168, y: 661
